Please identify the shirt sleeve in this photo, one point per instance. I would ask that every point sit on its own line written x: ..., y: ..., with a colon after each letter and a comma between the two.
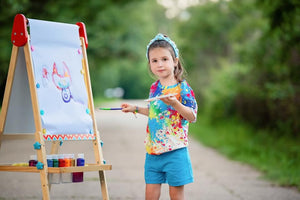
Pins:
x: 188, y: 98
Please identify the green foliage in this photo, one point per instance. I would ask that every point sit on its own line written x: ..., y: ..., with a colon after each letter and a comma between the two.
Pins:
x: 250, y: 34
x: 275, y: 61
x: 123, y: 73
x: 132, y: 82
x: 204, y: 38
x: 219, y: 96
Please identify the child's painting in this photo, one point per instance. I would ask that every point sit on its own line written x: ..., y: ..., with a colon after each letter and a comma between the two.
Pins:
x: 60, y: 84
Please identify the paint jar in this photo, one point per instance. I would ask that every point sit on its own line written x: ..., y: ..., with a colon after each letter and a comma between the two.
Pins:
x: 61, y: 160
x: 55, y: 160
x: 33, y: 161
x: 67, y: 177
x: 72, y: 160
x: 49, y: 160
x: 78, y: 176
x: 55, y: 178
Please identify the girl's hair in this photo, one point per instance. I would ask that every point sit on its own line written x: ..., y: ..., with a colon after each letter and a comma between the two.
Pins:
x: 179, y: 69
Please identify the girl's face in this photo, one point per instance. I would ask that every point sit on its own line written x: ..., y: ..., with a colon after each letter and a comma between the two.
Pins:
x: 162, y: 63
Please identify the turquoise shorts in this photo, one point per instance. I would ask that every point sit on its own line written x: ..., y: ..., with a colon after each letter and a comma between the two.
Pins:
x: 173, y: 167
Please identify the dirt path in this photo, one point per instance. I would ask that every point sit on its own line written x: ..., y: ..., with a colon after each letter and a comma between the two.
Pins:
x: 216, y: 178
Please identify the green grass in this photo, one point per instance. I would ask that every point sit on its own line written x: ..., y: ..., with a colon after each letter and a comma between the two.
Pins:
x: 277, y: 157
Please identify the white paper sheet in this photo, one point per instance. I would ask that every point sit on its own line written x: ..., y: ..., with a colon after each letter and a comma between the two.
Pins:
x: 62, y: 94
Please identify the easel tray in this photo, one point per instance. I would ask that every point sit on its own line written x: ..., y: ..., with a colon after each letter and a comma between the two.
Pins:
x: 87, y: 168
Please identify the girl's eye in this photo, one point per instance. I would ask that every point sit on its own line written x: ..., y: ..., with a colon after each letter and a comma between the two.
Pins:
x: 165, y: 59
x: 154, y: 61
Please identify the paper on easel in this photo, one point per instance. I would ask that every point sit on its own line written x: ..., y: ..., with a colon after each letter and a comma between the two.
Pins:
x: 62, y: 94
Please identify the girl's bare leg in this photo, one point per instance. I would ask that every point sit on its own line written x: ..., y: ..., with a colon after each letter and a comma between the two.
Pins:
x: 153, y: 191
x: 176, y: 193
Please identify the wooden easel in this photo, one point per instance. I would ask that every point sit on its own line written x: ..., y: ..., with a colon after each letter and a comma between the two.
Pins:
x: 21, y: 47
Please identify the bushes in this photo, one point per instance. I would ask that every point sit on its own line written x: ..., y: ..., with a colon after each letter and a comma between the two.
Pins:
x: 220, y: 94
x: 235, y: 90
x: 133, y: 77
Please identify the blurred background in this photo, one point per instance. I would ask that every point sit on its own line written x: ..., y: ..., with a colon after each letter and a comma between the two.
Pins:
x: 242, y: 59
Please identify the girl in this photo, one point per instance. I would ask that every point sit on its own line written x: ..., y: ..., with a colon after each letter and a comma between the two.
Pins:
x: 167, y: 157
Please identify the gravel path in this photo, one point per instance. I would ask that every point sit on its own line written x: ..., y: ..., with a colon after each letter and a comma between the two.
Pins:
x: 216, y: 177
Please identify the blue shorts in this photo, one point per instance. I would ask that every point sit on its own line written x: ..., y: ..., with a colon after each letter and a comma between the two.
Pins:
x: 173, y: 167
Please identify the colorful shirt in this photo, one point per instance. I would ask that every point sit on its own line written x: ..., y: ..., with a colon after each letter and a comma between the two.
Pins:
x: 167, y: 130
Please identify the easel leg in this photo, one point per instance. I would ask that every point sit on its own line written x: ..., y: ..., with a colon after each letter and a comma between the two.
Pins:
x: 45, y: 185
x: 41, y: 153
x: 103, y: 185
x: 8, y: 88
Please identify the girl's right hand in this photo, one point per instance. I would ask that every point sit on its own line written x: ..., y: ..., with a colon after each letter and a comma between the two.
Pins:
x: 127, y: 107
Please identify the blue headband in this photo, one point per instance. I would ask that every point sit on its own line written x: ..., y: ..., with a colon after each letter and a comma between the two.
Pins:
x: 165, y: 38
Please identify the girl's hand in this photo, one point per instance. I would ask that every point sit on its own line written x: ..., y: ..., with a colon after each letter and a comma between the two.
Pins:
x: 172, y: 100
x: 127, y: 108
x: 134, y: 109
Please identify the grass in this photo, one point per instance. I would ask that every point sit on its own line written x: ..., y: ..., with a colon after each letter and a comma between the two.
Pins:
x: 277, y: 157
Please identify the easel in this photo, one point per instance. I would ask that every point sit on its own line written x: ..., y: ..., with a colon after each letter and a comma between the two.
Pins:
x: 21, y: 50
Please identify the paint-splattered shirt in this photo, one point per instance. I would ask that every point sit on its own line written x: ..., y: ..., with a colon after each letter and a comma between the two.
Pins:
x: 167, y: 130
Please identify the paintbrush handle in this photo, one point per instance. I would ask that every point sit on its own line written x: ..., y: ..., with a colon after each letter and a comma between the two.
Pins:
x: 110, y: 108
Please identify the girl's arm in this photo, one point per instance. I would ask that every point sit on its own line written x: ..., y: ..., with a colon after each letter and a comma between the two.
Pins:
x: 183, y: 110
x: 133, y: 108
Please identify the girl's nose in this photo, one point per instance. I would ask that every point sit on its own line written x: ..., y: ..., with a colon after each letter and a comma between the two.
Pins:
x: 160, y: 63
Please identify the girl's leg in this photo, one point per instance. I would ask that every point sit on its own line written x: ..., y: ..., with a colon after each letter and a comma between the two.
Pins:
x: 153, y: 191
x: 176, y: 193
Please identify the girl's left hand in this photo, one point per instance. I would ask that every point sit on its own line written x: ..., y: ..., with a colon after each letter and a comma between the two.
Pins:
x: 171, y: 101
